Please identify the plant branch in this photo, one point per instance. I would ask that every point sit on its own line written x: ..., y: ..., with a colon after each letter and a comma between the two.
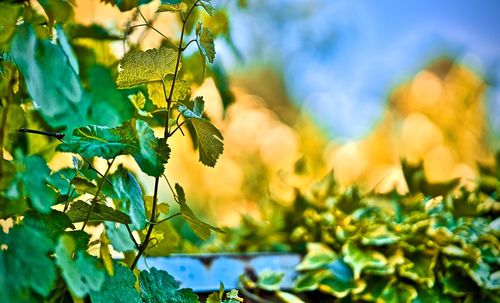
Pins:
x: 145, y: 243
x: 186, y: 46
x: 168, y: 218
x: 94, y: 201
x: 58, y: 136
x: 132, y: 236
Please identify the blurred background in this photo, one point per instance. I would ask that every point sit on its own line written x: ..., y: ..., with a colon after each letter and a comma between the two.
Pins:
x: 342, y: 86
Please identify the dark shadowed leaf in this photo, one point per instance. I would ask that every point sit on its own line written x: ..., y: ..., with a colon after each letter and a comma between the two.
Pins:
x: 157, y: 286
x: 117, y: 288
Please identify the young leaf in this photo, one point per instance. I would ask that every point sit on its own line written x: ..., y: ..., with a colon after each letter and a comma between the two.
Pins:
x: 200, y: 228
x: 205, y: 39
x: 198, y: 108
x: 81, y: 271
x: 151, y: 152
x: 79, y: 210
x: 157, y: 95
x: 117, y: 288
x: 172, y: 6
x: 137, y: 140
x: 207, y: 6
x: 209, y: 141
x: 158, y: 286
x: 25, y: 264
x: 129, y: 196
x: 140, y: 67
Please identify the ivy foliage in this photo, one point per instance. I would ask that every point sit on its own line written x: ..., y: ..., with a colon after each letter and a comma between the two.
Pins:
x: 62, y: 89
x: 440, y: 247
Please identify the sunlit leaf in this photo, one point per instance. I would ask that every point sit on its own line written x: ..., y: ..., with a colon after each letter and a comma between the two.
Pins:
x: 8, y: 21
x: 139, y: 67
x: 318, y: 255
x: 157, y: 95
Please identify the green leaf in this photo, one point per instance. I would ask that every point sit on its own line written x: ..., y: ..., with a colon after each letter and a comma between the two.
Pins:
x: 25, y: 264
x: 82, y: 272
x: 172, y: 6
x: 182, y: 90
x: 419, y: 267
x: 208, y: 140
x: 117, y: 288
x: 58, y: 10
x: 205, y: 40
x: 50, y: 79
x: 51, y: 226
x: 139, y: 67
x: 310, y: 280
x: 139, y: 141
x: 35, y: 184
x: 79, y: 210
x: 287, y: 297
x: 157, y: 286
x: 198, y: 108
x: 397, y: 292
x: 200, y: 228
x: 151, y: 152
x: 108, y: 105
x: 318, y: 256
x: 360, y: 259
x: 100, y: 141
x: 119, y: 237
x: 207, y: 5
x: 10, y: 12
x: 270, y: 280
x: 129, y: 195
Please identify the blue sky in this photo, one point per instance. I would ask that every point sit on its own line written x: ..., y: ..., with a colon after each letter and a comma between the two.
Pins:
x: 340, y: 58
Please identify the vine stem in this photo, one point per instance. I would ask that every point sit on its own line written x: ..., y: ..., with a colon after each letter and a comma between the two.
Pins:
x: 147, y: 238
x: 94, y: 201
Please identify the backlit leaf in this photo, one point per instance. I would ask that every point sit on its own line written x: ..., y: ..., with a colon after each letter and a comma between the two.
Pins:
x: 208, y: 140
x: 139, y: 67
x: 156, y: 94
x: 360, y: 259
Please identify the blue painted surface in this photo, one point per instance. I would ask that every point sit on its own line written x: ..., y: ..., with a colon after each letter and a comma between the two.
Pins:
x: 203, y: 273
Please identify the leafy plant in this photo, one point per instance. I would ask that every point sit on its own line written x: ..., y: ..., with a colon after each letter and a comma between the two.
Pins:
x: 436, y: 247
x: 56, y: 94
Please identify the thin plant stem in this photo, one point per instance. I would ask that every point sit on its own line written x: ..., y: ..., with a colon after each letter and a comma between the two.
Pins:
x: 94, y: 201
x: 132, y: 236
